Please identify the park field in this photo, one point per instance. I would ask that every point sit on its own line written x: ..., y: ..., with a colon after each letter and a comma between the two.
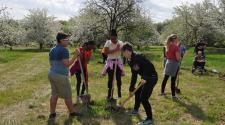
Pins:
x: 25, y: 92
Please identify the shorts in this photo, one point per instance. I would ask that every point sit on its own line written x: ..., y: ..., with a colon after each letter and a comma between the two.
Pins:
x: 60, y: 85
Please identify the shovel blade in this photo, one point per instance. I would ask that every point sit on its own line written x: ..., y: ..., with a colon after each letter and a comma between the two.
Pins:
x: 86, y: 99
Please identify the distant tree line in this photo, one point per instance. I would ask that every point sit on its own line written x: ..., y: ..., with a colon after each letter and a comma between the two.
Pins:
x: 194, y: 22
x: 133, y: 23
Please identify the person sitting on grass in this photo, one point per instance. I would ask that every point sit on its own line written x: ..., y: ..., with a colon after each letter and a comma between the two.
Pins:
x: 199, y: 61
x: 142, y: 66
x: 59, y: 75
x: 85, y: 53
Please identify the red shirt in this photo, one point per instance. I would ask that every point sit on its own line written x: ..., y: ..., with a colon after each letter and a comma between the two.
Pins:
x: 85, y: 56
x: 171, y: 52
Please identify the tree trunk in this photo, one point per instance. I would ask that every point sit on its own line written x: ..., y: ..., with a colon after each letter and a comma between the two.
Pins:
x: 138, y: 47
x: 41, y: 46
x: 11, y: 46
x: 195, y: 30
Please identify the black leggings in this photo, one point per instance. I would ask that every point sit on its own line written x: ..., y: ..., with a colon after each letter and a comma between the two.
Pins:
x: 173, y: 84
x: 78, y: 76
x: 110, y: 80
x: 142, y: 96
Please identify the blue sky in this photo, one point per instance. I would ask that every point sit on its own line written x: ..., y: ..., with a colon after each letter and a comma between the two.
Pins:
x: 64, y: 9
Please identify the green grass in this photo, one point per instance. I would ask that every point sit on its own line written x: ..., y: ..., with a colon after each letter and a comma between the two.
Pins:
x: 25, y: 91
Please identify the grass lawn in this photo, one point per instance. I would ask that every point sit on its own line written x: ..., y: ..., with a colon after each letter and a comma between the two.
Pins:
x: 25, y: 92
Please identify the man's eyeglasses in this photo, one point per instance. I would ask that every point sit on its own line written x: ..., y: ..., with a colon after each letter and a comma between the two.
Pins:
x: 65, y: 39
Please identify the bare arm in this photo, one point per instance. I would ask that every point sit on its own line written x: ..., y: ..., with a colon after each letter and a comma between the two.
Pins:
x: 69, y: 62
x: 178, y: 57
x: 164, y: 51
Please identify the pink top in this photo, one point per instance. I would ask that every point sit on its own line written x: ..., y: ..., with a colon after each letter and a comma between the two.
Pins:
x: 110, y: 63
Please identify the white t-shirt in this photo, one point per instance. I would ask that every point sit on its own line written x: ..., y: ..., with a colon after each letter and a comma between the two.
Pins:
x: 112, y: 46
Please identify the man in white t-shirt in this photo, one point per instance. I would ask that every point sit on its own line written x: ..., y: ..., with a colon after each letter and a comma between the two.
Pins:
x: 113, y: 50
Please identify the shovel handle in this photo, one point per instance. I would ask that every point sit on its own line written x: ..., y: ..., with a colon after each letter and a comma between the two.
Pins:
x: 114, y: 77
x: 82, y: 72
x: 132, y: 94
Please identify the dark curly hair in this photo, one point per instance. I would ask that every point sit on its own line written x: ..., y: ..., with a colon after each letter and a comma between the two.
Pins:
x: 127, y: 46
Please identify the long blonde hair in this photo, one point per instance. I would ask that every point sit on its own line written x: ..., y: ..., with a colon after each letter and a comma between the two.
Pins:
x: 169, y: 40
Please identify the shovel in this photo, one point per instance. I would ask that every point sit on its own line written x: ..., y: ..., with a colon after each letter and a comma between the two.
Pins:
x: 86, y: 99
x: 113, y: 102
x: 178, y: 80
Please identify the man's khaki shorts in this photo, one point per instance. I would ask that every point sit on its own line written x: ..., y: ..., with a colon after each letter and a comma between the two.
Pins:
x: 60, y: 85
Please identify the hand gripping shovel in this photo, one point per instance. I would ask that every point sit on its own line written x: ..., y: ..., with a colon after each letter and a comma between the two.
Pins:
x: 86, y: 99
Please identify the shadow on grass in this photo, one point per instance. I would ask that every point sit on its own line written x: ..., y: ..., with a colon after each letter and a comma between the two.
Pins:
x: 195, y: 110
x: 90, y: 115
x: 121, y: 118
x: 97, y: 113
x: 83, y: 121
x: 68, y: 121
x: 198, y: 72
x: 52, y: 122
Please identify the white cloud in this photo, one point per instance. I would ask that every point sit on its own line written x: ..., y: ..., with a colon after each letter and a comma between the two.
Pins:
x: 64, y: 9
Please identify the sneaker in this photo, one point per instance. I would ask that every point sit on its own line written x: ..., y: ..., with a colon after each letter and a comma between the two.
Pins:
x: 146, y: 122
x: 73, y: 114
x: 175, y: 98
x: 133, y: 113
x: 79, y: 99
x: 52, y: 116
